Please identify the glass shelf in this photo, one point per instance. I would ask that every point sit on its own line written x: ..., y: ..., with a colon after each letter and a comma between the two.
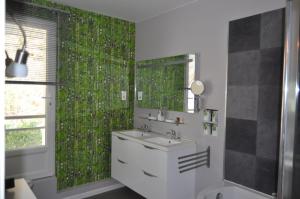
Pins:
x: 207, y: 122
x: 163, y: 121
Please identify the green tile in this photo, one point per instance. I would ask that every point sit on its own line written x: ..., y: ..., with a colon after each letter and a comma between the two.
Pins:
x: 96, y: 56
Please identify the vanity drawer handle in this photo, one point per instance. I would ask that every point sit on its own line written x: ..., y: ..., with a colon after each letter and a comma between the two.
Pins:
x: 148, y: 174
x: 120, y: 138
x: 149, y: 147
x: 122, y: 162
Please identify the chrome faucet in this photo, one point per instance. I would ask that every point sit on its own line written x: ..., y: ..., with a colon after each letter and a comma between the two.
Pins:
x: 172, y: 134
x: 145, y: 128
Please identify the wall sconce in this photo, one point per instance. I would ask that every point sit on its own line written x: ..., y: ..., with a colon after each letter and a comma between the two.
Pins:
x: 17, y: 67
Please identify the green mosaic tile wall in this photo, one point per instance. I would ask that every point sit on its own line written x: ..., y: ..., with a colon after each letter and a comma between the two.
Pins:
x: 96, y: 62
x: 162, y: 86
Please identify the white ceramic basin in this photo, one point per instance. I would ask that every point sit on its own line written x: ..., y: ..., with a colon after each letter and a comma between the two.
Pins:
x: 162, y: 141
x: 135, y: 133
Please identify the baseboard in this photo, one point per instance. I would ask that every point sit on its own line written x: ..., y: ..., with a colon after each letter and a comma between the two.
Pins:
x: 95, y: 191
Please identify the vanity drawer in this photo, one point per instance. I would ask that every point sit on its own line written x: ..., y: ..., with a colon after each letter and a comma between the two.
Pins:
x: 153, y: 161
x: 125, y: 149
x: 153, y: 187
x: 126, y: 174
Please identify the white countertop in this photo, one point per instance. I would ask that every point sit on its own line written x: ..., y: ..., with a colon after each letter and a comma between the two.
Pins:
x: 144, y: 141
x: 20, y: 191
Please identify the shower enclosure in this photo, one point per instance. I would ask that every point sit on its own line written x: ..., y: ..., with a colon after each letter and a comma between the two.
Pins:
x: 289, y: 159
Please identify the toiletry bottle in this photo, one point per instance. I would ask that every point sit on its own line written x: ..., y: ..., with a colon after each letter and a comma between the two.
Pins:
x: 159, y: 115
x: 163, y: 115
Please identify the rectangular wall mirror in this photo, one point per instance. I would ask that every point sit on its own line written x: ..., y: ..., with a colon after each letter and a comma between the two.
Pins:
x: 164, y: 83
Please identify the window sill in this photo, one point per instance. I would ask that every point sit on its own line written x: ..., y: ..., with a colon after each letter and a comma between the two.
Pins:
x: 28, y: 151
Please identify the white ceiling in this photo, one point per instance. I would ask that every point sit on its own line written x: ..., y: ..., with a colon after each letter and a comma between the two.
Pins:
x: 131, y: 10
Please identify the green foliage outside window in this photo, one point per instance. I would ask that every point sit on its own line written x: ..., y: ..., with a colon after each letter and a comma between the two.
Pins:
x: 23, y: 138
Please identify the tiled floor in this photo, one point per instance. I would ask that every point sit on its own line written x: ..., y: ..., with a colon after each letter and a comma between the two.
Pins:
x: 123, y: 193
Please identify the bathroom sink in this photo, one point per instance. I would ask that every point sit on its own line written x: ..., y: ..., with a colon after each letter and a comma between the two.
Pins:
x: 162, y: 141
x: 153, y: 139
x: 135, y: 133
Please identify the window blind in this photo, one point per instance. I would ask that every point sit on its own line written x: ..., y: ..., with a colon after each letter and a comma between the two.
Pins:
x: 41, y: 45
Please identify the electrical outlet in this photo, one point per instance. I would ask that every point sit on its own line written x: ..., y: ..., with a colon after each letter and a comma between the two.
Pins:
x: 140, y: 95
x: 123, y: 94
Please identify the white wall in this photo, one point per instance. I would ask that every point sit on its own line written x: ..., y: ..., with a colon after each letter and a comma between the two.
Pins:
x: 2, y: 73
x: 199, y: 27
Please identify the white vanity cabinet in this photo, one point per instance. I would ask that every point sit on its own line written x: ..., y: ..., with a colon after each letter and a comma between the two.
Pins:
x: 152, y: 170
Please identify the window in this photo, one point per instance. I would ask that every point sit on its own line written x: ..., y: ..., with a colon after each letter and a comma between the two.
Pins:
x: 25, y: 114
x: 30, y: 101
x: 26, y: 104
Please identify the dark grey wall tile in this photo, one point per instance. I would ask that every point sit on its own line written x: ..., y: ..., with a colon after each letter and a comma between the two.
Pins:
x: 272, y: 24
x: 240, y: 168
x: 244, y: 34
x: 267, y: 140
x: 242, y: 102
x: 270, y: 70
x: 254, y: 100
x: 266, y: 175
x: 269, y: 103
x: 243, y: 68
x: 241, y: 135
